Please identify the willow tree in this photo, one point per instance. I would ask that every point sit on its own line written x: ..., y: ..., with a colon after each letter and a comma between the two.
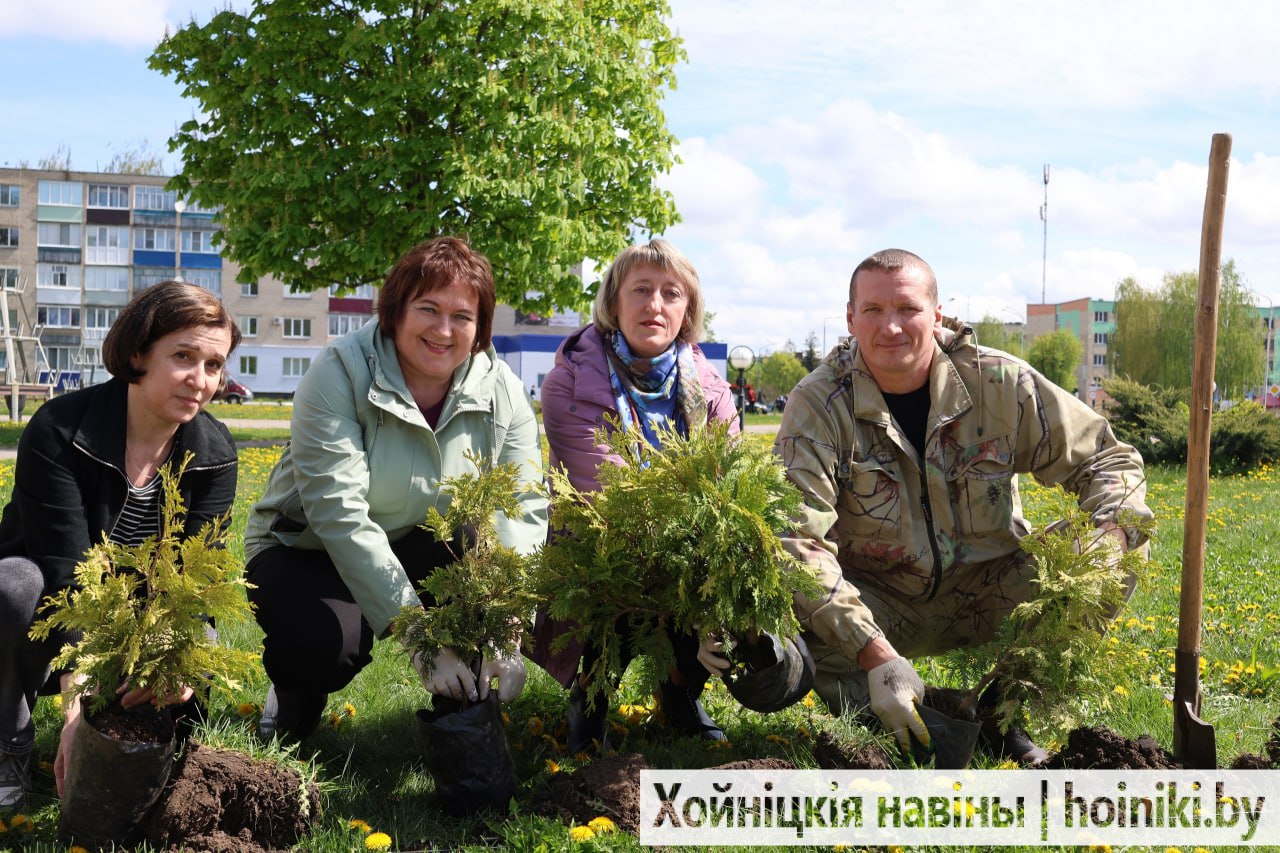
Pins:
x: 1154, y: 337
x: 336, y: 134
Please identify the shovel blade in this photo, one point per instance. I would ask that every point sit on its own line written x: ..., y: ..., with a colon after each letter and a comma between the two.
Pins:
x: 953, y: 740
x: 1194, y: 741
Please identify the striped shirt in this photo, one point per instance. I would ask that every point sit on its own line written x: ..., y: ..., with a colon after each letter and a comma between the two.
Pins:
x: 140, y: 517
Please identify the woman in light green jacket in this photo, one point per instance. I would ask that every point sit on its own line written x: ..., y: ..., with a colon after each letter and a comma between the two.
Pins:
x: 382, y: 415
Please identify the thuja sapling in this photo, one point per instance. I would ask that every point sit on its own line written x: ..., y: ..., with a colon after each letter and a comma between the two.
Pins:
x: 143, y: 611
x: 682, y: 536
x: 481, y: 600
x: 1048, y: 660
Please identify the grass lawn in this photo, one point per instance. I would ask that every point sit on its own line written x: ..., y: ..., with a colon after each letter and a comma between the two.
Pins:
x: 367, y: 754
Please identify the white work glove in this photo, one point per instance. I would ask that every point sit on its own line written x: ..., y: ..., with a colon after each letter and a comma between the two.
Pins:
x: 895, y: 689
x: 446, y: 675
x: 711, y: 655
x: 507, y: 669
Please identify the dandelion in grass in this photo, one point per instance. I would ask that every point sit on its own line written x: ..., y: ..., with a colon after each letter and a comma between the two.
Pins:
x: 57, y: 701
x: 534, y: 726
x: 1173, y: 850
x: 552, y: 767
x: 808, y: 701
x: 600, y: 825
x: 21, y: 823
x: 581, y: 833
x: 1008, y: 764
x: 357, y: 823
x: 1120, y: 690
x: 76, y: 848
x: 377, y: 841
x: 335, y: 719
x: 349, y: 709
x: 247, y: 709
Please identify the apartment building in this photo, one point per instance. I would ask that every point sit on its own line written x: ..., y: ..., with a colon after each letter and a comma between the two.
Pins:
x: 75, y: 246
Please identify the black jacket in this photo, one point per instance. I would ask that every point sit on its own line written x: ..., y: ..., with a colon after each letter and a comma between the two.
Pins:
x: 69, y: 483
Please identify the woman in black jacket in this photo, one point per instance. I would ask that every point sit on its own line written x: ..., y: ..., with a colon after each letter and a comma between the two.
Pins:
x: 88, y: 465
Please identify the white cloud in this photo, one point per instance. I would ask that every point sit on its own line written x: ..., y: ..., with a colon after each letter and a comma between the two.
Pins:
x: 131, y: 23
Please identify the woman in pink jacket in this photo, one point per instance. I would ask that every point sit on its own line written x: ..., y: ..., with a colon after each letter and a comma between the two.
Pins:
x: 639, y: 362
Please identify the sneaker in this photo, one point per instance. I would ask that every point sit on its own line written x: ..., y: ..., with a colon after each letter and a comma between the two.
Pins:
x: 270, y: 714
x: 13, y: 780
x: 1015, y: 743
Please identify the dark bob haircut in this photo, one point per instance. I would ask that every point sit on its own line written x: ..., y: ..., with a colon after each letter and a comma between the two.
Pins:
x: 432, y: 265
x: 168, y: 307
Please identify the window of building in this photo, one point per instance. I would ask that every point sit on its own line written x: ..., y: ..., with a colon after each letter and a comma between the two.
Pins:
x: 144, y: 277
x: 340, y: 324
x: 194, y: 206
x: 109, y: 195
x: 210, y: 280
x: 198, y: 242
x: 248, y: 288
x: 297, y: 327
x: 58, y: 316
x: 8, y: 277
x: 153, y: 198
x: 63, y: 235
x: 61, y: 358
x: 100, y: 318
x: 1101, y: 316
x: 67, y: 193
x: 106, y: 278
x: 106, y: 244
x: 1099, y: 339
x: 58, y: 275
x: 248, y: 326
x: 361, y: 291
x: 10, y: 195
x: 154, y: 239
x: 248, y: 365
x: 293, y: 368
x: 1099, y: 360
x: 8, y: 237
x: 295, y: 291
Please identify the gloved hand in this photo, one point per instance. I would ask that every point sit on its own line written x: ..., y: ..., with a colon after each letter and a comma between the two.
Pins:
x: 711, y: 655
x: 446, y: 675
x: 507, y: 669
x: 895, y: 689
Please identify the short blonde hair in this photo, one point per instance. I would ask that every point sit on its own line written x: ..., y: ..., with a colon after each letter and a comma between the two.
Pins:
x: 668, y: 259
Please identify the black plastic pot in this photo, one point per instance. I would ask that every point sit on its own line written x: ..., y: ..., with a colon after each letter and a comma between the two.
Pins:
x: 778, y: 673
x: 467, y: 755
x: 112, y: 784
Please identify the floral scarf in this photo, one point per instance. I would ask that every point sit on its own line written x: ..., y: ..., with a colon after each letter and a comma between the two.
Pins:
x: 653, y: 391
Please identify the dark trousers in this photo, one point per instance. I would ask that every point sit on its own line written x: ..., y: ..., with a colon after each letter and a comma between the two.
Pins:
x: 684, y: 646
x: 317, y: 638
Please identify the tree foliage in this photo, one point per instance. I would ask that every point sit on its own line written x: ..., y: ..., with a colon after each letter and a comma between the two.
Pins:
x: 775, y: 374
x: 142, y: 611
x: 482, y: 600
x: 1154, y: 340
x: 58, y: 161
x: 682, y: 537
x: 141, y: 160
x: 1057, y: 355
x: 338, y: 134
x: 1048, y: 657
x: 811, y: 357
x: 993, y: 332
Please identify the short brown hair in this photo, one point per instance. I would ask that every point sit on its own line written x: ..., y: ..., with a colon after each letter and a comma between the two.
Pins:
x: 432, y: 265
x: 664, y: 256
x: 168, y: 307
x: 892, y: 260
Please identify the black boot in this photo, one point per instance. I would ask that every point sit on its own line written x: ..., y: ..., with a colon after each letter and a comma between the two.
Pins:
x: 587, y: 720
x: 1015, y: 743
x: 685, y: 713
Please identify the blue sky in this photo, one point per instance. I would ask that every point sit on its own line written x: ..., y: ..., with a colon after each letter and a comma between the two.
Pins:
x: 813, y: 134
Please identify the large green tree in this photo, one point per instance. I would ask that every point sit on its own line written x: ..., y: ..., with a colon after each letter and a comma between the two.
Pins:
x: 777, y: 373
x: 1057, y: 355
x: 336, y: 134
x: 994, y: 332
x: 1155, y: 332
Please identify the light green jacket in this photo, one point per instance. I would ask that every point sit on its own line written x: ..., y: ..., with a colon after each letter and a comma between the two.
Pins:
x: 865, y: 486
x: 363, y: 466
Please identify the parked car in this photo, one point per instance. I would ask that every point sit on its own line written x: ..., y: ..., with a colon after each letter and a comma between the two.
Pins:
x: 235, y: 391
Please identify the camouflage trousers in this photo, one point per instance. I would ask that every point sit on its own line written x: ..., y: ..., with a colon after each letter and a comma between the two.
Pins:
x: 970, y: 604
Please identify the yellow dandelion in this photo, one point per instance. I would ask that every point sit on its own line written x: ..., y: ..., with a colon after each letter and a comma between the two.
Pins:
x: 581, y: 833
x: 57, y: 701
x: 1120, y: 690
x: 1008, y: 764
x: 1099, y: 848
x: 808, y: 701
x: 349, y: 709
x: 601, y: 825
x: 246, y: 709
x: 357, y: 823
x: 840, y: 847
x: 335, y: 720
x: 377, y: 841
x: 76, y: 848
x: 534, y: 726
x: 894, y: 848
x: 1173, y: 850
x: 552, y: 767
x: 1201, y: 850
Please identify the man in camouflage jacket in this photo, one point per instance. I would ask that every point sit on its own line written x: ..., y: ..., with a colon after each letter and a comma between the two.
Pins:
x: 905, y: 442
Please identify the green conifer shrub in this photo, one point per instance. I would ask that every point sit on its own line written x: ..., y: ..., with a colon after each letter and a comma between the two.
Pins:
x: 482, y: 600
x: 142, y: 610
x: 683, y: 536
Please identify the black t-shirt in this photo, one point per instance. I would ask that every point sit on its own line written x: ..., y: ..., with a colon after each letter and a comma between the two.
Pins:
x: 911, y: 411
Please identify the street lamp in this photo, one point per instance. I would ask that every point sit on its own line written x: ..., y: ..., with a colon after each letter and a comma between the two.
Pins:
x: 740, y: 359
x: 178, y: 206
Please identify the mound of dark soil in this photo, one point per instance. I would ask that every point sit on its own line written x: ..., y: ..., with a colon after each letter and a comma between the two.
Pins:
x: 832, y: 754
x: 225, y: 802
x: 1099, y: 748
x: 756, y: 764
x: 1250, y: 761
x: 608, y: 787
x: 1273, y: 743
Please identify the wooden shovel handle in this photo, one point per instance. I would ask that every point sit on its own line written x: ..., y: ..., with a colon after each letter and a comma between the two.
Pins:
x: 1206, y: 345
